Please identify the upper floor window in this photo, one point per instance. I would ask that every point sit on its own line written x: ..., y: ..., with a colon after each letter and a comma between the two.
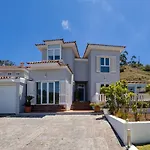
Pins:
x: 54, y: 52
x: 9, y: 73
x: 105, y: 64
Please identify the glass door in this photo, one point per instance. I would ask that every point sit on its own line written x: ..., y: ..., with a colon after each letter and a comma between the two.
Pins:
x: 44, y: 93
x: 48, y: 92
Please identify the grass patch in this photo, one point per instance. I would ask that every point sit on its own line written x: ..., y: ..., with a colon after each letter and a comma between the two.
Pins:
x: 144, y: 147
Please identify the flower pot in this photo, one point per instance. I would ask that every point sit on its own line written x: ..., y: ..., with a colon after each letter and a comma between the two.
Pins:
x: 97, y: 109
x: 27, y: 109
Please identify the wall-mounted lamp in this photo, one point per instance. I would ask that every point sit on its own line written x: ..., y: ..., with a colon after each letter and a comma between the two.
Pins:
x: 45, y: 75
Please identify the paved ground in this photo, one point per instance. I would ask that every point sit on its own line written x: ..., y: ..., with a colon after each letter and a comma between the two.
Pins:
x: 62, y: 132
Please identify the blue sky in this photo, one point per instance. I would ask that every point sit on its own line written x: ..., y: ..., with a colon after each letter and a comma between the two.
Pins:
x: 26, y: 22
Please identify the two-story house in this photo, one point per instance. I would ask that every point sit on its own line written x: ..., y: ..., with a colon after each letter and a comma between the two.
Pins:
x: 62, y: 76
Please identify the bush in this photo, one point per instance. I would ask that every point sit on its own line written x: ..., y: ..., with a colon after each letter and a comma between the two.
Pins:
x: 147, y: 68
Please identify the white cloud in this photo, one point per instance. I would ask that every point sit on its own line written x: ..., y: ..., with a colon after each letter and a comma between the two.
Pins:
x: 66, y: 25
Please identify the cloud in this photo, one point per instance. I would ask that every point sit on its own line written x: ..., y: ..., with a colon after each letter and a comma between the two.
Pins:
x: 65, y: 25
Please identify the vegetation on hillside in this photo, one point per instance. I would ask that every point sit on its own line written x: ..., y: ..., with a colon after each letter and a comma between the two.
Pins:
x: 6, y: 63
x: 133, y: 69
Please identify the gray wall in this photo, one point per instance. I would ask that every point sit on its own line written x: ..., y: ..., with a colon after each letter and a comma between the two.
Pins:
x: 55, y: 74
x: 44, y: 54
x: 68, y: 57
x: 98, y: 77
x: 81, y: 70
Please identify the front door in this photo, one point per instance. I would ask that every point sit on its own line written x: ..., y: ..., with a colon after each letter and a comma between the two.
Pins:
x: 81, y: 92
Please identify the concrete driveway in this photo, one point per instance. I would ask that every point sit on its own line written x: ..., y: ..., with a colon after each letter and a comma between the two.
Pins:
x: 60, y: 132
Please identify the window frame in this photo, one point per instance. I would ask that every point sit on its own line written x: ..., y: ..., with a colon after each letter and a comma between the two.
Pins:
x: 53, y: 51
x: 105, y: 57
x: 47, y: 98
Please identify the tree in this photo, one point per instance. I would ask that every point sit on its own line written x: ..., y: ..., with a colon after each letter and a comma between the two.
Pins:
x: 146, y: 68
x: 133, y: 61
x: 118, y: 97
x: 6, y: 63
x: 123, y: 58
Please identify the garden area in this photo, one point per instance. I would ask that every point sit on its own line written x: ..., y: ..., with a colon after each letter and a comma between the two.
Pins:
x: 144, y: 147
x: 120, y: 102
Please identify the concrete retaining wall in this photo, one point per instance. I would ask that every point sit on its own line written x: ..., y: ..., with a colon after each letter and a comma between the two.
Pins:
x: 140, y: 131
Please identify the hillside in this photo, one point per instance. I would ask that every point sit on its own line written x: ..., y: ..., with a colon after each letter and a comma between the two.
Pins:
x: 135, y: 74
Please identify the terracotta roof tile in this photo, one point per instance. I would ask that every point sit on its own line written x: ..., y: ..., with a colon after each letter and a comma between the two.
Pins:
x: 8, y: 77
x: 43, y: 62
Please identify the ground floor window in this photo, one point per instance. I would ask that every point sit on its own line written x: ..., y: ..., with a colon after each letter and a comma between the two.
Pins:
x: 48, y: 92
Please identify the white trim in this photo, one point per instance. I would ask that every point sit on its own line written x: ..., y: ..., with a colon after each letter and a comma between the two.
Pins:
x: 81, y: 59
x: 53, y: 51
x: 105, y: 62
x: 102, y: 48
x: 47, y: 83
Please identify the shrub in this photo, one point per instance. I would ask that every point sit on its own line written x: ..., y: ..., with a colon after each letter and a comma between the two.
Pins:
x: 147, y: 68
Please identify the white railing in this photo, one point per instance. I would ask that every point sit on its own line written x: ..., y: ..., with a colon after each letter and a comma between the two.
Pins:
x: 98, y: 98
x: 102, y: 98
x: 141, y: 97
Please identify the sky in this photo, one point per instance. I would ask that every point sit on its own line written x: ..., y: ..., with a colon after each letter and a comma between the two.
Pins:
x: 23, y: 23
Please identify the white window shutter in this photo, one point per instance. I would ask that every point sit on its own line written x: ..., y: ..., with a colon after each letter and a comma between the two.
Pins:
x: 113, y: 64
x: 97, y: 64
x: 31, y: 90
x: 97, y: 88
x: 62, y: 94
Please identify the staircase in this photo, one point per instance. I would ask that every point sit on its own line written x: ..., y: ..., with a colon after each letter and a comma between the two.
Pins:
x: 81, y: 106
x: 48, y: 108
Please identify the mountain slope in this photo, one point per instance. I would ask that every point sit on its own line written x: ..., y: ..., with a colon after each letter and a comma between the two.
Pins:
x: 135, y: 74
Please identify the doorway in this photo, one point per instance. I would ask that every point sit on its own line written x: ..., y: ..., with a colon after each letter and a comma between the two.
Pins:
x: 81, y: 92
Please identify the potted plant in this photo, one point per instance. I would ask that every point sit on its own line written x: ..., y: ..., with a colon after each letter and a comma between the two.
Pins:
x: 97, y: 106
x: 28, y: 104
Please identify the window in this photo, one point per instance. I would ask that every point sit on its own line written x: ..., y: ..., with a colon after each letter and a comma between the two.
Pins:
x: 104, y: 64
x: 17, y: 73
x: 0, y: 73
x: 54, y: 52
x: 9, y: 73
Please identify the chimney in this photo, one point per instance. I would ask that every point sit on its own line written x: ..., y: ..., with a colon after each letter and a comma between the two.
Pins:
x: 22, y: 64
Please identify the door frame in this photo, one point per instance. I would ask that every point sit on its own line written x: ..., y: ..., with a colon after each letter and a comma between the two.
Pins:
x: 41, y: 92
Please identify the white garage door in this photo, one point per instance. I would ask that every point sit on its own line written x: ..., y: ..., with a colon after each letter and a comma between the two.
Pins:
x: 7, y: 99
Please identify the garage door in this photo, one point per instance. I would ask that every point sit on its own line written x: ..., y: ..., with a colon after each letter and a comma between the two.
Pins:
x: 7, y: 99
